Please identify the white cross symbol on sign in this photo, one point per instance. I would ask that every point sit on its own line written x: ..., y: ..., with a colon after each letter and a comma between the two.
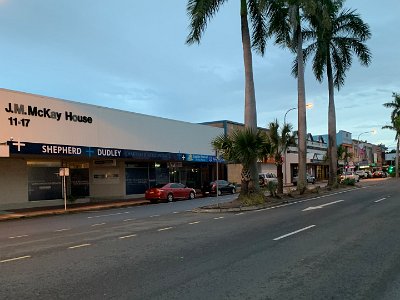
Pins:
x: 19, y: 145
x: 183, y: 157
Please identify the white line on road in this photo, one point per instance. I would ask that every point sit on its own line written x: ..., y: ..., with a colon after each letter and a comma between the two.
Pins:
x: 98, y: 224
x: 109, y: 215
x: 322, y: 205
x: 127, y: 236
x: 176, y: 212
x: 126, y: 220
x: 217, y: 218
x: 166, y: 228
x: 196, y: 222
x: 376, y: 201
x: 63, y: 229
x: 238, y: 214
x: 294, y: 232
x: 153, y: 216
x: 18, y: 236
x: 79, y: 246
x: 15, y: 258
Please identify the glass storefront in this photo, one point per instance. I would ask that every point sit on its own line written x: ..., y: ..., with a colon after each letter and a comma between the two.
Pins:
x: 43, y: 181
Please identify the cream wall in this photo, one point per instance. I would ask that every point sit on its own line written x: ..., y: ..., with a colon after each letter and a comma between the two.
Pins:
x: 110, y: 128
x: 107, y: 188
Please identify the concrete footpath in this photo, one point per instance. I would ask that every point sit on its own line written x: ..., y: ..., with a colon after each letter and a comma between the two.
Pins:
x: 71, y: 208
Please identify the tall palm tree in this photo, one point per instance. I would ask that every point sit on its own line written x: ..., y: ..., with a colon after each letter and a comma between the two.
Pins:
x: 200, y: 12
x: 333, y: 45
x: 243, y: 147
x: 395, y: 119
x: 286, y: 18
x: 280, y: 140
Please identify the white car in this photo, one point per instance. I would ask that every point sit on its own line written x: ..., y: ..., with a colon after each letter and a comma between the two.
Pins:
x: 264, y: 178
x: 350, y: 175
x: 362, y: 174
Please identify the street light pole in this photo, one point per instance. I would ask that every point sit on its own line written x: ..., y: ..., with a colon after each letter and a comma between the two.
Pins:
x: 308, y: 105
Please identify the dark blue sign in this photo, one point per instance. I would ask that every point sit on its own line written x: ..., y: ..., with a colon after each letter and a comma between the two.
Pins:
x: 17, y: 147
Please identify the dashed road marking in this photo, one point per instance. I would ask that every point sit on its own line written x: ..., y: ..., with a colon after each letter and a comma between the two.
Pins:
x: 126, y: 220
x: 196, y: 222
x: 109, y: 215
x: 127, y: 236
x: 15, y: 258
x: 153, y: 216
x: 79, y: 246
x: 98, y: 224
x: 376, y: 201
x: 63, y: 229
x: 238, y: 214
x: 166, y: 228
x: 18, y: 236
x: 294, y: 232
x: 217, y: 218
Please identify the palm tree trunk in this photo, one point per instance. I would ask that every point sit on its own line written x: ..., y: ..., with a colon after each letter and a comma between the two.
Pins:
x: 302, y: 122
x: 332, y: 146
x: 280, y: 178
x: 397, y: 157
x: 250, y: 112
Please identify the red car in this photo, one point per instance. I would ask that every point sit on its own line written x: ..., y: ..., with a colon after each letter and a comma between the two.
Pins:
x: 169, y: 192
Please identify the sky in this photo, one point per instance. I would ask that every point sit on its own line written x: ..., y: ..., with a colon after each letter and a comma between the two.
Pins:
x: 131, y: 55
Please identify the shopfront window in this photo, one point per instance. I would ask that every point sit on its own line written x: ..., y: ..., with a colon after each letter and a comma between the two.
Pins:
x: 43, y: 180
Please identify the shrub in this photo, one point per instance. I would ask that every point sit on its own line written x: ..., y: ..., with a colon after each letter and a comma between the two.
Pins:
x: 252, y: 199
x: 272, y: 188
x: 349, y: 181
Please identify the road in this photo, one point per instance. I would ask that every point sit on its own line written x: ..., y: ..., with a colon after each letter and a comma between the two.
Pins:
x: 340, y: 246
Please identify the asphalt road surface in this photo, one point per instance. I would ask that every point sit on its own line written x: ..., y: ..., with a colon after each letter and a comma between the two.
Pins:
x: 345, y: 245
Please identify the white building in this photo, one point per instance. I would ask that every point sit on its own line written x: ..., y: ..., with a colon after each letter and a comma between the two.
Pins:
x: 109, y: 153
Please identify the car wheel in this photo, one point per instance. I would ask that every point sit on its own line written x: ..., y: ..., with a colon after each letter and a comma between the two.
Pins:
x: 219, y: 193
x: 170, y: 198
x: 191, y: 195
x: 233, y: 190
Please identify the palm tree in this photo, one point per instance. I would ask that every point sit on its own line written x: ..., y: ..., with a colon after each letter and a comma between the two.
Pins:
x: 200, y: 12
x: 395, y: 118
x: 280, y: 140
x: 286, y: 24
x: 333, y: 45
x: 243, y: 147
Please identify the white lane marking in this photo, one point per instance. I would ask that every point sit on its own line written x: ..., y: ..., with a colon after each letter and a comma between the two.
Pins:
x: 294, y: 232
x: 98, y: 224
x: 176, y: 212
x: 18, y: 236
x: 127, y: 236
x: 153, y: 216
x: 196, y: 222
x: 63, y: 229
x: 15, y: 258
x: 322, y: 205
x: 79, y: 246
x: 217, y: 218
x: 126, y: 220
x: 109, y: 215
x: 376, y: 201
x: 166, y: 228
x: 238, y: 214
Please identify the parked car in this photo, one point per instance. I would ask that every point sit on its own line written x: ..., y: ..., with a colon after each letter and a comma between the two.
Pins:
x: 310, y: 179
x: 369, y: 174
x: 264, y: 178
x: 361, y: 174
x: 169, y: 192
x: 223, y: 187
x: 349, y: 175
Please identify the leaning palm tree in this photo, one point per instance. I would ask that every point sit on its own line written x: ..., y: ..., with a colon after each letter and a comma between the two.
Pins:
x: 280, y: 140
x: 200, y: 12
x: 243, y: 147
x: 395, y: 118
x: 333, y: 44
x: 286, y: 18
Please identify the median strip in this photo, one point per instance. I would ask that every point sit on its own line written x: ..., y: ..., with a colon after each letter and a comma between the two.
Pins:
x: 294, y: 232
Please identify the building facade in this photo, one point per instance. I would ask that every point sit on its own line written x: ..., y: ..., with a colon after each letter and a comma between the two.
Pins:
x: 108, y: 153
